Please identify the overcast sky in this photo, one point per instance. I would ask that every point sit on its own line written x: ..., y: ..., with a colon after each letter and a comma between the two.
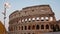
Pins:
x: 19, y: 4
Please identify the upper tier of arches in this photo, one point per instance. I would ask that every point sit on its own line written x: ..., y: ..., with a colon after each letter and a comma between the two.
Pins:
x: 33, y: 10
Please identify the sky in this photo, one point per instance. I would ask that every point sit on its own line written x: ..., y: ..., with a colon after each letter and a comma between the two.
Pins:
x: 19, y: 4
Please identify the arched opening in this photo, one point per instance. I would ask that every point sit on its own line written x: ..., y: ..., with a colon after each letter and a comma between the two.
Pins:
x: 11, y: 28
x: 57, y: 27
x: 25, y: 27
x: 42, y: 18
x: 33, y: 19
x: 22, y: 20
x: 37, y: 18
x: 46, y: 18
x: 37, y: 26
x: 25, y: 19
x: 29, y: 27
x: 22, y: 28
x: 28, y: 33
x: 33, y: 27
x: 29, y: 19
x: 47, y: 26
x: 42, y: 26
x: 52, y: 26
x: 51, y: 18
x: 19, y: 27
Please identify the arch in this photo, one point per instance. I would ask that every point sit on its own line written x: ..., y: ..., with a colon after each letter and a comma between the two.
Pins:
x: 29, y: 19
x: 42, y: 26
x: 47, y: 26
x: 29, y: 27
x: 28, y: 33
x: 25, y: 27
x: 33, y: 27
x: 52, y: 26
x: 42, y: 18
x: 25, y: 19
x: 37, y: 26
x: 51, y: 18
x: 46, y: 18
x: 37, y: 18
x: 11, y: 28
x: 21, y: 27
x: 57, y: 27
x: 22, y: 20
x: 33, y: 19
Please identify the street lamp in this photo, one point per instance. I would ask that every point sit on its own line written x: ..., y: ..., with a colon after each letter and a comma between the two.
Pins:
x: 6, y: 5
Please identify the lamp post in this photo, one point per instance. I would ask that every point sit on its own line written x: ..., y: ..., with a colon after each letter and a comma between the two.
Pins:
x: 6, y: 5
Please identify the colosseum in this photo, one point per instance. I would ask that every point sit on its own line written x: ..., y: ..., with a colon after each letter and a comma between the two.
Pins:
x: 33, y: 20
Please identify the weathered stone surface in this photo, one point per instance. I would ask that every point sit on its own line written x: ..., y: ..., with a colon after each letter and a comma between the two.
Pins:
x: 33, y: 20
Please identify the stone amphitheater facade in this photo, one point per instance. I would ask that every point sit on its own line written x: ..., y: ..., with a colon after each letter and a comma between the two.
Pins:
x: 32, y: 20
